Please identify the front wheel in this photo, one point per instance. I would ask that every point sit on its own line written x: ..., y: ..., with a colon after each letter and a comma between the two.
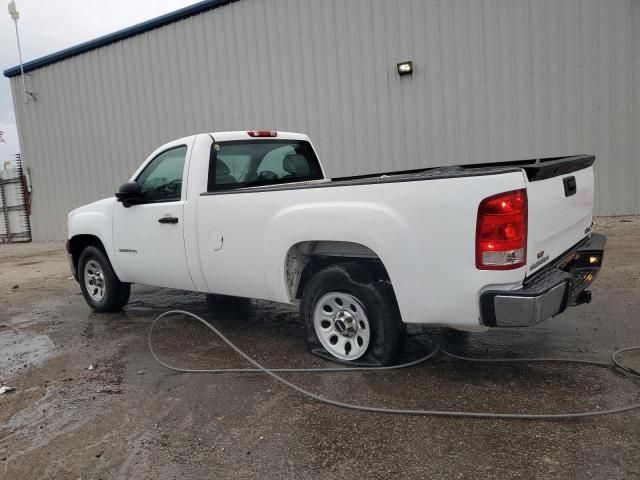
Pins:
x: 102, y: 289
x: 351, y: 318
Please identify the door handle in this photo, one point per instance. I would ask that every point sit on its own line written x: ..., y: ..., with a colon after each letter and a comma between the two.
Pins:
x: 569, y: 186
x: 168, y: 220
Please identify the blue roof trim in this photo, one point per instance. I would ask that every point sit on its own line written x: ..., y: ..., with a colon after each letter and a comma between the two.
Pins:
x: 119, y: 35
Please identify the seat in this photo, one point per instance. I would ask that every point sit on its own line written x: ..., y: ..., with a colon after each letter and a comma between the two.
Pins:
x: 295, y: 165
x: 223, y: 176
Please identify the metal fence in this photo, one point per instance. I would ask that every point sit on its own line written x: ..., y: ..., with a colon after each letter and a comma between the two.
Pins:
x: 14, y: 205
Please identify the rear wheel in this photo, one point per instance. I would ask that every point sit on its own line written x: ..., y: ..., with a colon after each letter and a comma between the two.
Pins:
x: 351, y: 318
x: 101, y: 288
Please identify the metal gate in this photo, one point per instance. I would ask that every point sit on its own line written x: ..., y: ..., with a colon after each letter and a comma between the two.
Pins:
x: 14, y: 205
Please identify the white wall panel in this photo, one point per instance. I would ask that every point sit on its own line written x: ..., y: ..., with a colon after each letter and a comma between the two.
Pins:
x: 494, y: 80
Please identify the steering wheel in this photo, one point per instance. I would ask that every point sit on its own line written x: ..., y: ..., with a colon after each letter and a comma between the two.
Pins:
x: 174, y: 186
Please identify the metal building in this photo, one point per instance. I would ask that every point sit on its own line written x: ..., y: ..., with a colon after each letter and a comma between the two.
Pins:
x: 493, y: 80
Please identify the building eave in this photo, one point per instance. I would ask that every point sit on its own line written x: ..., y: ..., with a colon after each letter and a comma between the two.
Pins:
x: 118, y: 36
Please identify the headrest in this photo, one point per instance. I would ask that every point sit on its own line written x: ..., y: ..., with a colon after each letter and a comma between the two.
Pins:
x: 221, y: 168
x: 296, y: 165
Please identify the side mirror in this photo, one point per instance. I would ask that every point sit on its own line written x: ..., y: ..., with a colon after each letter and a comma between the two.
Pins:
x: 128, y: 194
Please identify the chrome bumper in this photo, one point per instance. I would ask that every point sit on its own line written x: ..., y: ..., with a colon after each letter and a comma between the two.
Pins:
x: 549, y: 292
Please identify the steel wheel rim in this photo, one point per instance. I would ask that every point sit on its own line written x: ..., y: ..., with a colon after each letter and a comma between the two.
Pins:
x: 94, y: 280
x: 341, y: 325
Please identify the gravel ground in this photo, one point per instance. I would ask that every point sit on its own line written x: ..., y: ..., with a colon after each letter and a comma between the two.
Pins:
x: 8, y: 250
x: 91, y: 403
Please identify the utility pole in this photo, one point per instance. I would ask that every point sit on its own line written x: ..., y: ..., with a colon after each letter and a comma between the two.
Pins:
x: 15, y: 15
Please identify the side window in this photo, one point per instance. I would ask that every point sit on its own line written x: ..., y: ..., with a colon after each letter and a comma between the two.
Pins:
x: 161, y: 180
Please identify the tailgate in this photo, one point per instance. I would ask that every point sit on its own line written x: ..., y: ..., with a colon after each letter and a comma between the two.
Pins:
x: 560, y: 207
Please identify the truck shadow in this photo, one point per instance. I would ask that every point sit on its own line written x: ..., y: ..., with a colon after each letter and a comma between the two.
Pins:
x: 272, y: 334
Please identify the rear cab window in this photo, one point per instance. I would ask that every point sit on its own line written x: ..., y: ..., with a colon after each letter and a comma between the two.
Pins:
x: 252, y: 163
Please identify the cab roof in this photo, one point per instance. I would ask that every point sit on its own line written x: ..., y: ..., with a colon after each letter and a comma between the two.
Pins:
x: 257, y: 135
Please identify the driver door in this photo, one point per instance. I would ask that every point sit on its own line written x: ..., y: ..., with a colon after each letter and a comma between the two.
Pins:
x: 149, y: 236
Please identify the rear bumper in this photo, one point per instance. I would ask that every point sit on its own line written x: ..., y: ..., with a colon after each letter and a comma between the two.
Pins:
x: 550, y: 291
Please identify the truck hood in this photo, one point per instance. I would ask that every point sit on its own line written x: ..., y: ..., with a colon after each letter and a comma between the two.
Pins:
x: 98, y: 205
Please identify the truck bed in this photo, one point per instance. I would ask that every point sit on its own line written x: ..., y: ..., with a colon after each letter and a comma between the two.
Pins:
x: 535, y: 169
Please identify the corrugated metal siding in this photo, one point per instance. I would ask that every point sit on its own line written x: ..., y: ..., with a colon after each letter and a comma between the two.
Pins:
x: 494, y: 80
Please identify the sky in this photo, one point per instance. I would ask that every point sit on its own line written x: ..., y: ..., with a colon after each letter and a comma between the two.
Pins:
x: 47, y: 26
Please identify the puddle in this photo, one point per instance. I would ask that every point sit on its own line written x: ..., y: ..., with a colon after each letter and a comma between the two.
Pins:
x: 20, y: 350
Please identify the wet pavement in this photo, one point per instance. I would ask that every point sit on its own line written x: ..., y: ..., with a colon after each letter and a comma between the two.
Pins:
x: 128, y: 417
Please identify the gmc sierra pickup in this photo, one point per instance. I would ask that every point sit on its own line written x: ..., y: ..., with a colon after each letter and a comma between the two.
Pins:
x: 251, y: 214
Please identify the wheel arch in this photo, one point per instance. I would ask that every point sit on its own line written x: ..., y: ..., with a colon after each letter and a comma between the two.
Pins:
x: 78, y: 243
x: 305, y: 258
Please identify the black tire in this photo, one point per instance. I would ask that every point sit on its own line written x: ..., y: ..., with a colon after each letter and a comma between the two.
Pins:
x: 228, y: 306
x: 116, y: 293
x: 387, y: 332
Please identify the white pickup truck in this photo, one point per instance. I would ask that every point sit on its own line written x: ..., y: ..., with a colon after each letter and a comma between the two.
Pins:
x: 252, y: 214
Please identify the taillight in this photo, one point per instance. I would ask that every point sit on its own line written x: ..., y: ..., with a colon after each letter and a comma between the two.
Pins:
x: 501, y: 231
x: 262, y: 133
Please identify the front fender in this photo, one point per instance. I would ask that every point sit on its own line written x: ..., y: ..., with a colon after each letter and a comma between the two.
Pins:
x: 96, y: 219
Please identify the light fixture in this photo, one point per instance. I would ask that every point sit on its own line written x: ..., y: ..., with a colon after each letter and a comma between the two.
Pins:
x: 15, y: 15
x: 405, y: 68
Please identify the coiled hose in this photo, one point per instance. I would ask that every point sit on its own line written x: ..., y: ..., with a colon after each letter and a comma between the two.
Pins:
x: 274, y: 373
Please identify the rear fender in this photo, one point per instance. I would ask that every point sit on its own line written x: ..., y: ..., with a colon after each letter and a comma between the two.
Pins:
x: 341, y: 222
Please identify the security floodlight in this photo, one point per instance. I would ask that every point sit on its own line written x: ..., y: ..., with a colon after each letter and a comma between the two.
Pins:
x: 405, y: 68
